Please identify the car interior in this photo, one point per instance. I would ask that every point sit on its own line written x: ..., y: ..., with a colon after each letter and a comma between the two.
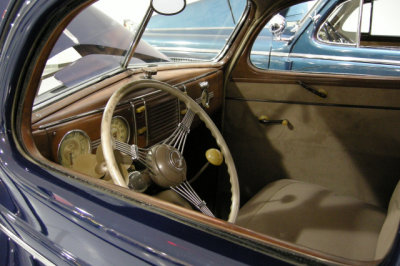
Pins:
x: 317, y: 176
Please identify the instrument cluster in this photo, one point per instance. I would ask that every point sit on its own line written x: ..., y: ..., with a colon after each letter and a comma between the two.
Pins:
x: 77, y: 142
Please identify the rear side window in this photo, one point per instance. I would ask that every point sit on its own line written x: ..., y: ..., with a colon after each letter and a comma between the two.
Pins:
x: 379, y: 24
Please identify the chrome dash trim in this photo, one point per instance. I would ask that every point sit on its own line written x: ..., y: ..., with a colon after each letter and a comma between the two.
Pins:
x: 146, y: 121
x: 26, y: 246
x: 135, y: 137
x: 195, y: 78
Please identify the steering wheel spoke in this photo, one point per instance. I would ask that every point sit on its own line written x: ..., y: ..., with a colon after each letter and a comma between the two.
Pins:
x: 186, y: 191
x: 178, y: 138
x: 131, y: 150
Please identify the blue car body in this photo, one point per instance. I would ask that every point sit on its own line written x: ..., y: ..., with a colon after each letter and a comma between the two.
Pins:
x: 305, y: 53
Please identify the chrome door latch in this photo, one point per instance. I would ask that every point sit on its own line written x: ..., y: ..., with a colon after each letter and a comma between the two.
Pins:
x: 205, y: 95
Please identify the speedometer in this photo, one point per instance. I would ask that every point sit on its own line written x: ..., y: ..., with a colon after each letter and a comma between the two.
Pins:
x: 120, y: 129
x: 74, y: 143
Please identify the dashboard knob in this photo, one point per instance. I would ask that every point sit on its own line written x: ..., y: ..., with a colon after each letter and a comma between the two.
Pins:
x: 214, y: 156
x: 149, y: 72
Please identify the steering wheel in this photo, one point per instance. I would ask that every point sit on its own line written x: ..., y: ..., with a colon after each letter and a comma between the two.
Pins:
x: 165, y: 161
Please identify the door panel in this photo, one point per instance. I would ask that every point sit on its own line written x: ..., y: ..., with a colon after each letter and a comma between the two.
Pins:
x: 348, y: 142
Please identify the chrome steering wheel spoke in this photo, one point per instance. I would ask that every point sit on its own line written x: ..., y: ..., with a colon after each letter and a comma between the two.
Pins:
x: 131, y: 150
x: 136, y: 153
x: 178, y: 138
x: 186, y: 191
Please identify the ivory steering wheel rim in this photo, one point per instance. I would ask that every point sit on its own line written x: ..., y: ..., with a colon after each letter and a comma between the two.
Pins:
x: 106, y: 138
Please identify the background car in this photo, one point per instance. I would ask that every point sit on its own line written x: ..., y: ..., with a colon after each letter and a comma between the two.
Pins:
x: 337, y: 40
x: 144, y: 154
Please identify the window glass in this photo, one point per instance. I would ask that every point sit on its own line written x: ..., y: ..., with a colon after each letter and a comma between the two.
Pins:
x: 351, y: 22
x: 94, y: 42
x: 385, y: 18
x: 199, y: 33
x: 341, y: 25
x: 379, y: 18
x: 268, y: 42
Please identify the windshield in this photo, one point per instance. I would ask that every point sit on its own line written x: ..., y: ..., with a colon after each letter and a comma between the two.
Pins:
x: 96, y: 42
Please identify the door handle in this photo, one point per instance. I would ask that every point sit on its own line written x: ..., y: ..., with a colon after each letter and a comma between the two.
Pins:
x: 263, y: 119
x: 319, y: 92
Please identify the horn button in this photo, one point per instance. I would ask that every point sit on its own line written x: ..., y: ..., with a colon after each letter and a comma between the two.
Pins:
x: 167, y: 165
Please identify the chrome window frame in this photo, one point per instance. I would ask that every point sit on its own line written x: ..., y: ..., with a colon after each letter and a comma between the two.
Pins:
x: 356, y: 44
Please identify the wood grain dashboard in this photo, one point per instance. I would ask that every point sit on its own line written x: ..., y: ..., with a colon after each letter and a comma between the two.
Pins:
x: 151, y: 115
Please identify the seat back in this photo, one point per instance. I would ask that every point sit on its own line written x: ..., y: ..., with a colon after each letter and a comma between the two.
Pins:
x: 390, y: 226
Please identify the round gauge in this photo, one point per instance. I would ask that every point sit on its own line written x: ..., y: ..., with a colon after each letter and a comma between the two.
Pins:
x: 120, y: 129
x: 73, y: 144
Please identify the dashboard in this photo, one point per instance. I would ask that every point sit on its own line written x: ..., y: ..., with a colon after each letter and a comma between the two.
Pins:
x: 69, y: 133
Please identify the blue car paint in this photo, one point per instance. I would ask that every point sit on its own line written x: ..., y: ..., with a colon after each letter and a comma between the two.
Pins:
x: 307, y: 54
x: 70, y: 222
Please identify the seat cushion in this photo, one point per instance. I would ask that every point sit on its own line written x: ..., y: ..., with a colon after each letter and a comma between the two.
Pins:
x: 313, y: 216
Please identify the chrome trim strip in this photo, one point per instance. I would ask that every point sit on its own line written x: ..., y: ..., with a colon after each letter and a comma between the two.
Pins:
x: 178, y: 105
x: 266, y: 53
x: 135, y: 137
x: 146, y: 121
x: 149, y: 31
x: 188, y: 49
x: 332, y: 57
x: 195, y: 78
x: 347, y: 59
x: 360, y: 13
x: 137, y: 37
x: 25, y: 246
